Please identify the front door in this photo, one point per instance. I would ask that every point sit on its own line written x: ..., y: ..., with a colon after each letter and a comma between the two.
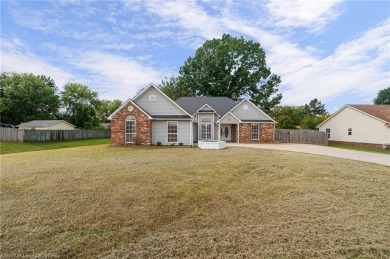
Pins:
x: 205, y: 128
x: 226, y: 132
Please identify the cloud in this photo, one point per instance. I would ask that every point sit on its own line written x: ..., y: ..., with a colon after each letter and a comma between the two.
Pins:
x: 15, y: 57
x: 189, y: 16
x: 311, y: 15
x: 115, y: 76
x: 115, y: 46
x: 357, y: 67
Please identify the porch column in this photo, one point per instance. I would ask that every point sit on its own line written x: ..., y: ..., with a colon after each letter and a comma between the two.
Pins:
x: 191, y: 134
x: 219, y: 131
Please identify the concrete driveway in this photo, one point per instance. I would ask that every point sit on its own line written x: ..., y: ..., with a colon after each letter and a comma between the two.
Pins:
x: 381, y: 159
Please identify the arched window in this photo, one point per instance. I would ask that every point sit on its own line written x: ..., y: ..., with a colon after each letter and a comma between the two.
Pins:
x: 130, y: 129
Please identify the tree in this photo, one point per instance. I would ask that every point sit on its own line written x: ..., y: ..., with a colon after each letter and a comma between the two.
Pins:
x: 26, y: 97
x: 315, y: 108
x: 231, y: 67
x: 291, y: 117
x: 285, y: 122
x: 383, y: 96
x: 79, y: 105
x: 106, y: 107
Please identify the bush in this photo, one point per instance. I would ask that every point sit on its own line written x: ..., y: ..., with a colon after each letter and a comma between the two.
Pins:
x: 158, y: 143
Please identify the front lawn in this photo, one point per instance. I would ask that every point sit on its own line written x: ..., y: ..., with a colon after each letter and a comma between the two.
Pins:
x: 16, y: 147
x: 164, y: 202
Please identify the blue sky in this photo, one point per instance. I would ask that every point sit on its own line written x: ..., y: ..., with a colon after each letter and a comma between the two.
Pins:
x: 336, y: 51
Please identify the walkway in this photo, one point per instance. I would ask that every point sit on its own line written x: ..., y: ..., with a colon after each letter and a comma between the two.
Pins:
x: 381, y: 159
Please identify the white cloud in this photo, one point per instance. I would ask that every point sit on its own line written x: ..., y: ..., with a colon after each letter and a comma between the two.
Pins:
x: 309, y: 14
x: 115, y: 76
x: 189, y: 16
x: 15, y: 57
x: 134, y: 30
x: 358, y: 67
x: 111, y: 75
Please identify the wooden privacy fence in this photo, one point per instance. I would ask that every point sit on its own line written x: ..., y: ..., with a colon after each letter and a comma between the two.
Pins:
x: 301, y: 136
x: 20, y: 135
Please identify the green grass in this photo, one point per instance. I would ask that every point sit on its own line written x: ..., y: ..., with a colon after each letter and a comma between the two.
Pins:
x: 177, y: 202
x: 14, y: 147
x: 365, y: 149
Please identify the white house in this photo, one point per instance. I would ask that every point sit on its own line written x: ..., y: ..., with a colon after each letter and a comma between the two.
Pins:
x: 47, y: 125
x: 359, y: 124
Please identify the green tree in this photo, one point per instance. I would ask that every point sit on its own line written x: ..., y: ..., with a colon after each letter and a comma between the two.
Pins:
x: 231, y: 67
x: 106, y: 107
x: 295, y: 113
x: 285, y: 122
x: 26, y: 97
x: 79, y: 105
x: 315, y: 108
x: 383, y: 96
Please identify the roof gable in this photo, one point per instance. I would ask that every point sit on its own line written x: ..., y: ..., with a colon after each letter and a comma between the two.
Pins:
x: 247, y: 111
x: 221, y: 105
x: 379, y: 112
x: 229, y: 118
x: 129, y: 101
x: 156, y: 103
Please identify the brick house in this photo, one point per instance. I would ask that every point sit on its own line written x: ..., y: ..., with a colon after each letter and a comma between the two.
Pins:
x: 151, y: 117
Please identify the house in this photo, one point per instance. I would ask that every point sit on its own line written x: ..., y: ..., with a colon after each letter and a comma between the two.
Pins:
x: 151, y: 117
x: 47, y: 125
x: 367, y: 125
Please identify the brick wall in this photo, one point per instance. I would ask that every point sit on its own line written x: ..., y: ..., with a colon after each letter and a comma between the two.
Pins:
x: 266, y: 134
x: 143, y: 127
x: 358, y: 144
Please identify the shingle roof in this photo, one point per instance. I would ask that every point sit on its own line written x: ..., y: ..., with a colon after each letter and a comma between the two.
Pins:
x: 42, y: 123
x: 379, y: 111
x: 221, y: 105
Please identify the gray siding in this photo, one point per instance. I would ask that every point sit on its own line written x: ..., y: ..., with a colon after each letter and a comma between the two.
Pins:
x: 251, y: 114
x: 195, y: 132
x: 161, y: 106
x: 229, y: 119
x: 160, y: 132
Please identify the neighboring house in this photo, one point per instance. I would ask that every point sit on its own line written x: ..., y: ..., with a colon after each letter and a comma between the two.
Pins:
x: 152, y: 117
x: 47, y: 125
x: 359, y: 124
x: 105, y: 125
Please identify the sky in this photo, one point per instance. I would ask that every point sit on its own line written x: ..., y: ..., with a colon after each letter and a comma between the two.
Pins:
x: 333, y: 50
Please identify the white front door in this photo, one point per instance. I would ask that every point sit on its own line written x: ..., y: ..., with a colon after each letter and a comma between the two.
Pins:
x: 226, y: 132
x: 206, y: 128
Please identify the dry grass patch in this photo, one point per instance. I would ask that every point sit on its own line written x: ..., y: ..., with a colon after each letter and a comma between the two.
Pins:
x: 100, y: 201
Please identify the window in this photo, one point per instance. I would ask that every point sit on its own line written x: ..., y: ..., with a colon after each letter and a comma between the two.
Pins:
x: 349, y: 131
x: 255, y: 131
x: 205, y: 128
x: 328, y: 131
x: 172, y: 131
x: 130, y: 130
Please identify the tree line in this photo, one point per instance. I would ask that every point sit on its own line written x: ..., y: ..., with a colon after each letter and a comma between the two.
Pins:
x: 26, y: 97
